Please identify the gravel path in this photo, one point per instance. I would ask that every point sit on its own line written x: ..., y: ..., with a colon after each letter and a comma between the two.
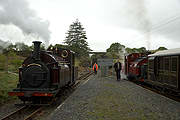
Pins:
x: 106, y: 99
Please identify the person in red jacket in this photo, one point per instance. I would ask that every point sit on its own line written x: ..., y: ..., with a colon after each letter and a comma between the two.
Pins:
x: 95, y: 68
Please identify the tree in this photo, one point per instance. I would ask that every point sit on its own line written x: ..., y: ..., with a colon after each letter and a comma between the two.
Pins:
x: 19, y: 46
x: 2, y: 62
x: 11, y: 47
x: 116, y: 50
x: 161, y: 48
x: 136, y: 50
x: 76, y: 39
x: 128, y: 50
x: 1, y: 49
x: 142, y: 50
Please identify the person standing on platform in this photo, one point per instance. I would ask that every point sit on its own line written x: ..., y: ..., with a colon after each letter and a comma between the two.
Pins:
x: 117, y: 67
x: 95, y: 68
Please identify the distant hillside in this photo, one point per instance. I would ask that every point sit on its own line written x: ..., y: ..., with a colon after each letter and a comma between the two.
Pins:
x: 3, y: 44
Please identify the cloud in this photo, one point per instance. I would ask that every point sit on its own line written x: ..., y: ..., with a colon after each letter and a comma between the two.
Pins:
x: 18, y: 13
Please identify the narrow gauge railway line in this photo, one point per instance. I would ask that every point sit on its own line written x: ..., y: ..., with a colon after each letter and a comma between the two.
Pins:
x: 30, y: 112
x: 86, y: 75
x: 59, y: 102
x: 156, y: 90
x: 168, y: 95
x: 23, y: 113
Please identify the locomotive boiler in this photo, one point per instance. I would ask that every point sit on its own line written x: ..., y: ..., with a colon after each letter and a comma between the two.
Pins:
x: 44, y: 73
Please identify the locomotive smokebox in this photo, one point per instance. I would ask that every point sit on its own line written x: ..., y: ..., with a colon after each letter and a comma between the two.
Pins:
x: 36, y: 52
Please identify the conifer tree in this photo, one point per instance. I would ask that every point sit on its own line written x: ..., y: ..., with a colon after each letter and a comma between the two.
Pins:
x: 76, y: 39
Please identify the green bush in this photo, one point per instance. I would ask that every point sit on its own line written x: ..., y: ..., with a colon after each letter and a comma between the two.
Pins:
x: 2, y: 62
x: 85, y: 61
x: 7, y: 82
x: 12, y: 54
x: 14, y: 64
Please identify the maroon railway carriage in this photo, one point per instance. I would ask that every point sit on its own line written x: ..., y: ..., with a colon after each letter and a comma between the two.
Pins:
x: 164, y: 70
x: 44, y: 73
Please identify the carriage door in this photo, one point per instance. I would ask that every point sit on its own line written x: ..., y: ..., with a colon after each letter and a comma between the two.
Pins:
x: 166, y: 71
x: 151, y: 75
x: 174, y: 71
x: 160, y: 70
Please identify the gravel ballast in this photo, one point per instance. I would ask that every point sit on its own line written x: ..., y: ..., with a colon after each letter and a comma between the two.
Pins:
x: 104, y: 98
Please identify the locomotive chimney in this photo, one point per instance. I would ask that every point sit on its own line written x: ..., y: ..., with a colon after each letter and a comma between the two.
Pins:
x: 36, y: 52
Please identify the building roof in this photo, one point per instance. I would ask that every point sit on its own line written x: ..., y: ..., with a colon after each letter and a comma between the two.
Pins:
x: 175, y: 51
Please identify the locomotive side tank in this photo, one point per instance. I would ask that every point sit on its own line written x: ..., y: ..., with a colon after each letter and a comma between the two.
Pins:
x: 44, y: 73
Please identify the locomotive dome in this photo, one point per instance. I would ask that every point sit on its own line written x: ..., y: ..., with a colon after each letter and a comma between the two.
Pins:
x: 175, y: 51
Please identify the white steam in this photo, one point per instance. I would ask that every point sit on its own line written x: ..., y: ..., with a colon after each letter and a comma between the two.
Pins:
x: 18, y: 13
x: 137, y: 13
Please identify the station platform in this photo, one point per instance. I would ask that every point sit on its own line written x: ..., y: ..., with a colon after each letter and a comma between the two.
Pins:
x: 104, y: 98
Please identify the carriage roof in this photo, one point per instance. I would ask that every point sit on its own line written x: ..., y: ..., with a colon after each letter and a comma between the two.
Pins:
x: 175, y: 51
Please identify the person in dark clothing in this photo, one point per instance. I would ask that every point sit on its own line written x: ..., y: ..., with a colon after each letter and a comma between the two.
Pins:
x: 117, y: 67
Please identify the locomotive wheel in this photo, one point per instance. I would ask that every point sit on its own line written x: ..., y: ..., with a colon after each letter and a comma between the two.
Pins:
x: 22, y: 98
x: 131, y: 77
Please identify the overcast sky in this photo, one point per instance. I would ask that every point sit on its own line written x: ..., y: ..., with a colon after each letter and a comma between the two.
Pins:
x: 133, y: 23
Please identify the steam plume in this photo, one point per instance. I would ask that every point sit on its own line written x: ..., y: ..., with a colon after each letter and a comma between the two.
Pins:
x: 18, y: 13
x: 137, y: 12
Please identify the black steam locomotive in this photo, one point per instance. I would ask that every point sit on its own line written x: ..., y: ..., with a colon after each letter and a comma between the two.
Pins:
x: 44, y: 73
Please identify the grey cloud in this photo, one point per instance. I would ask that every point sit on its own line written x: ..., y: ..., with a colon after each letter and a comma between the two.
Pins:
x: 18, y: 13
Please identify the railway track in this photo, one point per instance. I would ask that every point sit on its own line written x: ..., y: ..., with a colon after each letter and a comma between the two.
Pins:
x: 85, y: 75
x: 30, y: 112
x: 23, y: 113
x: 176, y: 98
x: 156, y: 90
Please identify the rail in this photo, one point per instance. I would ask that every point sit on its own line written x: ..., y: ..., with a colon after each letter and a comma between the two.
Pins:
x: 156, y: 90
x: 30, y: 112
x: 25, y: 113
x: 171, y: 96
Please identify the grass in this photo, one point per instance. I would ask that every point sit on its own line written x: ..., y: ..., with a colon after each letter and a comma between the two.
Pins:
x: 7, y: 83
x: 13, y: 61
x: 111, y: 105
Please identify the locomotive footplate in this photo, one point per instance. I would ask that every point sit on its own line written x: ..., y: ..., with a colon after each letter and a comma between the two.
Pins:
x: 33, y: 93
x: 35, y: 103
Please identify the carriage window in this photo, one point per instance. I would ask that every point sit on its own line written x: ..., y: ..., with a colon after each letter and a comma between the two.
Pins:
x: 151, y: 64
x: 174, y: 64
x: 166, y: 63
x: 160, y: 63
